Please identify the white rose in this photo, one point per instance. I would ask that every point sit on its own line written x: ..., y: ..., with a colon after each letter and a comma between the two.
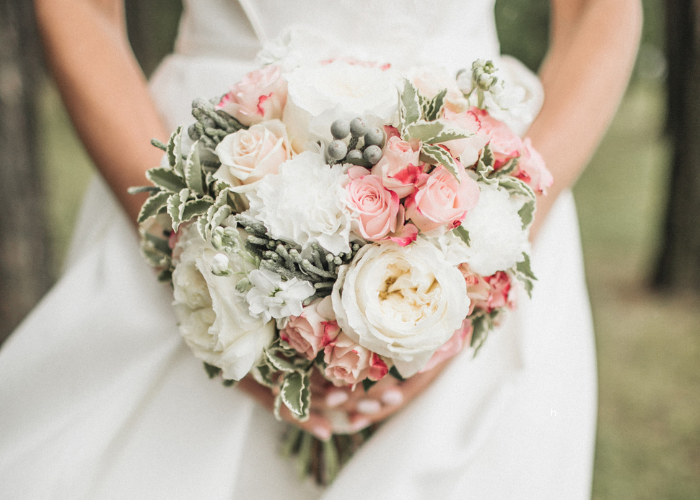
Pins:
x: 400, y: 302
x: 249, y: 155
x: 213, y: 316
x: 304, y: 203
x: 497, y: 238
x: 318, y: 95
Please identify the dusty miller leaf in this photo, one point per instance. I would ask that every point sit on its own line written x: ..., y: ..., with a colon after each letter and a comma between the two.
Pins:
x: 152, y: 205
x: 166, y: 178
x: 193, y: 171
x: 174, y: 151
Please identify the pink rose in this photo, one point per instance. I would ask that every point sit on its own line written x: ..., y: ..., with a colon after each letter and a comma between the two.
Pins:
x: 499, y: 292
x: 452, y: 347
x: 405, y: 234
x: 505, y: 143
x: 348, y: 363
x: 478, y: 288
x: 375, y: 208
x: 469, y: 149
x: 442, y: 200
x: 251, y: 154
x: 532, y: 169
x: 261, y: 95
x: 398, y: 167
x: 313, y: 329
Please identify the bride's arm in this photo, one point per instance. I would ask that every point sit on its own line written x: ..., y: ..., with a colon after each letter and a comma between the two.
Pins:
x: 593, y: 47
x: 103, y: 88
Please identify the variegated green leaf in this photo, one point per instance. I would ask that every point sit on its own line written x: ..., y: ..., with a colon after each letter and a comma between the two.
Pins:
x: 193, y: 208
x: 435, y: 106
x: 143, y: 189
x: 296, y: 394
x: 156, y: 243
x: 176, y: 207
x: 439, y: 155
x: 508, y: 168
x: 524, y: 274
x: 527, y: 213
x: 166, y: 178
x: 278, y: 363
x: 517, y: 186
x: 193, y: 171
x: 174, y: 153
x: 463, y: 234
x: 409, y: 106
x: 487, y: 157
x: 152, y: 205
x: 433, y: 132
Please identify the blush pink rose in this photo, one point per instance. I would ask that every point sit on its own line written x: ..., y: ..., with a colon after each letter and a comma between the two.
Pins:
x: 405, y: 234
x: 375, y: 208
x: 469, y: 149
x: 452, y: 347
x: 312, y: 330
x: 261, y: 95
x: 250, y: 154
x: 505, y: 143
x: 348, y: 363
x: 532, y: 169
x: 478, y: 289
x: 441, y: 200
x: 499, y: 292
x: 398, y: 169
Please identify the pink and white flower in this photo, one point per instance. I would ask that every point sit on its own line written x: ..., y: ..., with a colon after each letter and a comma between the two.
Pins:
x: 313, y: 329
x: 399, y: 167
x: 505, y: 144
x: 374, y: 207
x: 261, y: 95
x: 348, y: 363
x: 532, y: 169
x: 441, y: 201
x: 466, y: 150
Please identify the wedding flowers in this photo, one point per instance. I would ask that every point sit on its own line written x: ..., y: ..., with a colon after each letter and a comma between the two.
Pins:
x: 261, y: 95
x: 214, y: 318
x: 400, y: 302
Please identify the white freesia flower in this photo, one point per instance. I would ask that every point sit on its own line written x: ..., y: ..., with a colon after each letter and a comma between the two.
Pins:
x: 317, y: 95
x: 214, y: 318
x: 400, y: 302
x: 271, y: 297
x: 304, y: 203
x: 497, y: 239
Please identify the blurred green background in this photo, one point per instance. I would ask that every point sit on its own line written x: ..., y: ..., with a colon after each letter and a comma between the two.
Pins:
x: 648, y: 444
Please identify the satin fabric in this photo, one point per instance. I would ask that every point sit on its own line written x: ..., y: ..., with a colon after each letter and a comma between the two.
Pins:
x: 101, y: 399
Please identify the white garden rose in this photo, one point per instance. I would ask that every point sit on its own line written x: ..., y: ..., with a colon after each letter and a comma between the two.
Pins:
x: 304, y: 203
x: 497, y: 238
x: 317, y: 95
x: 213, y: 316
x: 250, y: 154
x: 400, y: 302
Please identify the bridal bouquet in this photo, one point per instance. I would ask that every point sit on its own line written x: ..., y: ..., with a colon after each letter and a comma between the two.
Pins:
x: 342, y: 218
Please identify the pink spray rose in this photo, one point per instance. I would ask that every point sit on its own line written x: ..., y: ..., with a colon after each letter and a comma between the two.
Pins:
x: 399, y: 167
x: 313, y: 329
x: 442, y: 200
x: 499, y: 292
x: 261, y: 95
x: 349, y: 363
x: 452, y: 347
x: 505, y: 143
x: 532, y: 169
x: 466, y: 150
x: 375, y: 208
x: 478, y: 288
x: 489, y: 292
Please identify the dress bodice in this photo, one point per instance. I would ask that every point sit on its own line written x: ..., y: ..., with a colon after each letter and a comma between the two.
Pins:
x: 448, y: 33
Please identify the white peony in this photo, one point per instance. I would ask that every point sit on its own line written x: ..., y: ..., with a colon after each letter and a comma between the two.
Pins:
x: 317, y: 95
x: 213, y: 316
x: 304, y: 203
x: 400, y: 302
x: 497, y: 238
x: 273, y: 297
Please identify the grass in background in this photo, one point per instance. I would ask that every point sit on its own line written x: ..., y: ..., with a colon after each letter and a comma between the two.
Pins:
x: 648, y: 346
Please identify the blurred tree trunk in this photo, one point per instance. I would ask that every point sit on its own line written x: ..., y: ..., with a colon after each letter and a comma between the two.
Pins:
x: 679, y: 262
x: 24, y: 262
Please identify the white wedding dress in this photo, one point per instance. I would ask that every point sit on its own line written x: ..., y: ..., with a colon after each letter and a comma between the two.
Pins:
x: 101, y: 399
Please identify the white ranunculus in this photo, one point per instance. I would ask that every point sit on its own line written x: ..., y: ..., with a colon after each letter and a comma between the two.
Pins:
x: 213, y: 316
x: 497, y: 238
x: 250, y: 154
x: 272, y: 297
x: 400, y: 302
x: 317, y: 95
x: 304, y: 203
